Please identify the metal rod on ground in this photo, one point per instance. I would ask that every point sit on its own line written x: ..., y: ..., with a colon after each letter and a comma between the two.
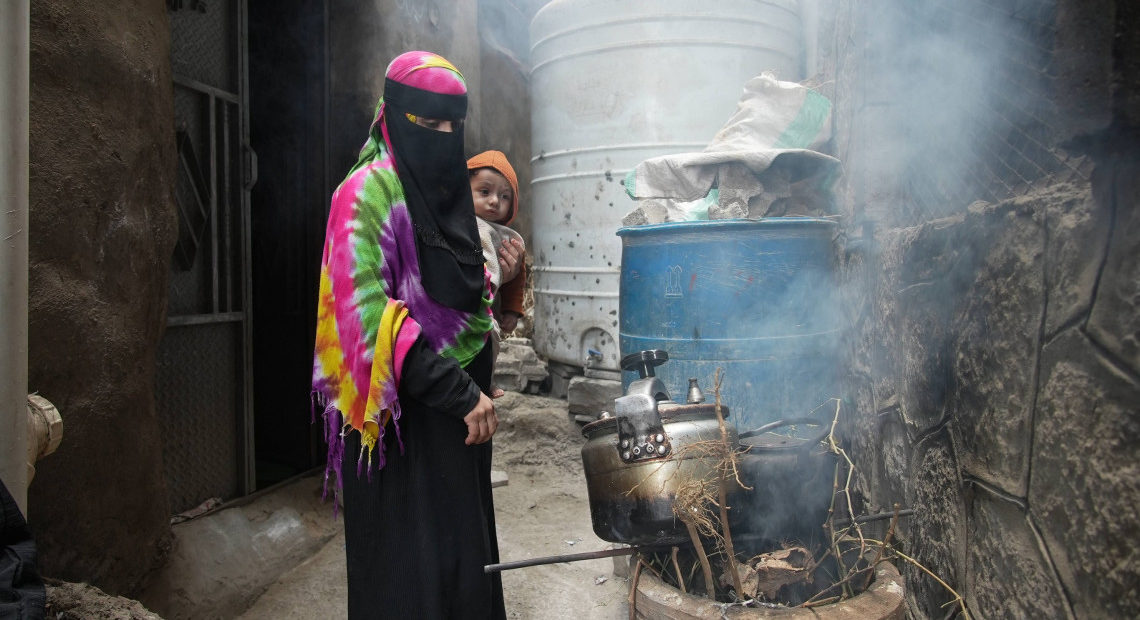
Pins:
x: 555, y: 559
x: 905, y: 512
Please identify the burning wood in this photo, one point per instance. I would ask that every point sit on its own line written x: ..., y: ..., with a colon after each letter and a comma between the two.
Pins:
x: 767, y: 573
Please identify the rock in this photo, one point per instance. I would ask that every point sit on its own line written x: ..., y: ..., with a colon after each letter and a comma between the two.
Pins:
x: 936, y: 534
x: 590, y: 396
x: 1005, y: 547
x: 1115, y: 318
x: 737, y: 185
x: 808, y: 197
x: 661, y: 210
x: 917, y: 282
x: 995, y: 342
x: 80, y: 600
x: 560, y: 376
x: 1078, y: 240
x: 886, y: 445
x: 518, y: 367
x: 1084, y: 492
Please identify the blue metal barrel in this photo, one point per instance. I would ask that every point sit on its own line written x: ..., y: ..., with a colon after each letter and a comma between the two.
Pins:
x: 756, y: 298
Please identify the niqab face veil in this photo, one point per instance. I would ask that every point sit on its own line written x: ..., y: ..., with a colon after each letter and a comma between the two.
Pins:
x: 433, y: 171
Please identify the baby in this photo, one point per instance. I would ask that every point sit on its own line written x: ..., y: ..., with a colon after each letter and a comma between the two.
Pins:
x: 494, y: 189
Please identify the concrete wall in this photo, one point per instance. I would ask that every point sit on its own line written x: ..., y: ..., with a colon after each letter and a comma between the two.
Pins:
x: 101, y: 236
x: 994, y: 381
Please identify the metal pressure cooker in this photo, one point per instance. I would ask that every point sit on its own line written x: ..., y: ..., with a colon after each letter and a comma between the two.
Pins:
x: 635, y: 458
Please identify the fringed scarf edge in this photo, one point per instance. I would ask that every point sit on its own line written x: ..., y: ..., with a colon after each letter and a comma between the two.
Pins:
x: 394, y: 339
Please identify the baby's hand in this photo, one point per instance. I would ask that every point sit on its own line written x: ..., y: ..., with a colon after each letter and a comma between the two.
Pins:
x: 511, y: 258
x: 509, y: 322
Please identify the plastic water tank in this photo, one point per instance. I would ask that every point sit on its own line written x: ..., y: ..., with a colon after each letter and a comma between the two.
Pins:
x: 753, y: 298
x: 614, y: 83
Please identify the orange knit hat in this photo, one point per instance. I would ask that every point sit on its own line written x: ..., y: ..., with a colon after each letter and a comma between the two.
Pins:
x: 497, y: 161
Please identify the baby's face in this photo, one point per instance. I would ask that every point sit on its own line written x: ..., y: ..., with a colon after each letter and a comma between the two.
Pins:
x: 492, y: 195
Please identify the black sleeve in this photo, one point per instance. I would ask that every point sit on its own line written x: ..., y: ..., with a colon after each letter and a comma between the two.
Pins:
x: 437, y: 382
x: 22, y: 592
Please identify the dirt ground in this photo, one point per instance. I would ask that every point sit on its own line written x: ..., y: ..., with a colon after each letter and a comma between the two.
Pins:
x: 542, y: 511
x: 78, y: 601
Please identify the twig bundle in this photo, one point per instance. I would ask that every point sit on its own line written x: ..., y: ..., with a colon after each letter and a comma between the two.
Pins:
x: 701, y: 504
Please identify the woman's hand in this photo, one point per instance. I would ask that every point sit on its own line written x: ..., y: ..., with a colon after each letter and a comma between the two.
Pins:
x: 481, y: 421
x: 511, y: 256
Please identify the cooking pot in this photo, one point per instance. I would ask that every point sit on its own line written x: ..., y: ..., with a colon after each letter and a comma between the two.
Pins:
x: 635, y: 459
x: 790, y: 474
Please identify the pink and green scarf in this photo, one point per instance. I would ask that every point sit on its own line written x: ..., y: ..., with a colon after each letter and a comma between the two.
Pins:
x: 372, y: 304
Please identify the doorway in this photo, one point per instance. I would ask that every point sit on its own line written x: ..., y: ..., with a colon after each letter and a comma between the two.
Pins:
x: 288, y: 111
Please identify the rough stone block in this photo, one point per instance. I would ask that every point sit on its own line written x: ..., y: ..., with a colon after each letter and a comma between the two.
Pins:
x: 1115, y: 318
x: 935, y: 535
x: 877, y: 441
x: 893, y: 457
x: 996, y: 332
x: 560, y: 376
x: 592, y: 396
x: 923, y: 348
x: 1084, y: 488
x: 518, y: 366
x: 1005, y: 548
x: 932, y: 251
x: 923, y: 275
x: 1078, y: 235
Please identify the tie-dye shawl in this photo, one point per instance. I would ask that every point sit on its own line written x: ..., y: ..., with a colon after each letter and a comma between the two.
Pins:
x: 372, y: 308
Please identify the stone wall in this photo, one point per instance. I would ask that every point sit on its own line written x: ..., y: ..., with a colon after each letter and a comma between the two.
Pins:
x: 994, y: 371
x: 102, y: 232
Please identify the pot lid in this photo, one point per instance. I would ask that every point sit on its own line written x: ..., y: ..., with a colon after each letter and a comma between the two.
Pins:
x: 785, y: 435
x: 668, y: 410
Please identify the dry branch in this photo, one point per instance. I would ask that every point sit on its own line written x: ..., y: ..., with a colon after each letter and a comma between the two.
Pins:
x: 677, y: 567
x: 729, y: 459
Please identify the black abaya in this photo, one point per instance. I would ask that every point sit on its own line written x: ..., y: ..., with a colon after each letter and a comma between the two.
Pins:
x: 419, y: 531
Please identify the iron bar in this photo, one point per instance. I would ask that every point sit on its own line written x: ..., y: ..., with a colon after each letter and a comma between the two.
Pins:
x: 905, y: 512
x: 556, y: 559
x: 182, y: 320
x: 213, y: 150
x: 192, y: 84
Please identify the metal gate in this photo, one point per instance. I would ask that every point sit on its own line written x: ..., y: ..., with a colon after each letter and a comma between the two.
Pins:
x: 203, y: 387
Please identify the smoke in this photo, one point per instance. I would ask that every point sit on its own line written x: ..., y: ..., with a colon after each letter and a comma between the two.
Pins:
x: 956, y: 107
x: 504, y: 29
x: 938, y: 104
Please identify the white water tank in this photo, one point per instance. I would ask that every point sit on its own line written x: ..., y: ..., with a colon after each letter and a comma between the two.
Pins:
x: 614, y: 82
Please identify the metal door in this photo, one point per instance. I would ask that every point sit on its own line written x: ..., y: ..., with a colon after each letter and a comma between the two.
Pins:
x: 203, y: 387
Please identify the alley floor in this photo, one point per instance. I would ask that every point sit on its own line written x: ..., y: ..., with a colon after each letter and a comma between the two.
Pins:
x: 542, y: 511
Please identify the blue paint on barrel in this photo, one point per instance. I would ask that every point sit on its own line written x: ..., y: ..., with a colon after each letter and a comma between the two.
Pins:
x: 755, y: 298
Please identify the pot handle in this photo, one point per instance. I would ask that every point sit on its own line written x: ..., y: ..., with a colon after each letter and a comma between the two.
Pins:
x: 788, y: 422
